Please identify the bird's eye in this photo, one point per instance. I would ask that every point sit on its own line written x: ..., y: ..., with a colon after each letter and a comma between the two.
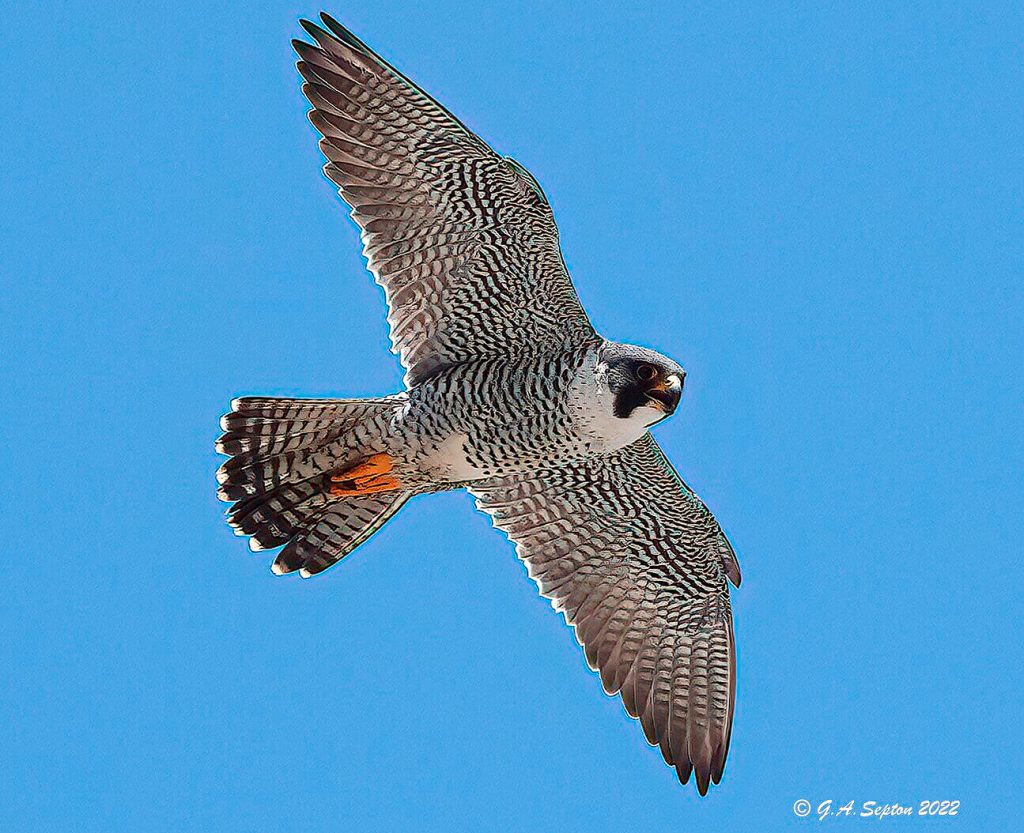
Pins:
x: 646, y: 372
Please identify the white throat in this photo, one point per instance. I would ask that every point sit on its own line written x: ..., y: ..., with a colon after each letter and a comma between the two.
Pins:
x: 592, y: 406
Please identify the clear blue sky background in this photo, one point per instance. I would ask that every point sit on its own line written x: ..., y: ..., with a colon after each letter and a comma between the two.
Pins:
x: 817, y: 210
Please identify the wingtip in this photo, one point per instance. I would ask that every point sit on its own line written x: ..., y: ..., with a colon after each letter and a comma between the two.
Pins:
x: 337, y: 29
x: 330, y: 22
x: 718, y: 761
x: 701, y: 777
x: 311, y: 28
x: 345, y: 35
x: 729, y: 560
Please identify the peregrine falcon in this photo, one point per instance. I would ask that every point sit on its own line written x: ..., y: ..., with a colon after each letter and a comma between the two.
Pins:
x: 509, y: 393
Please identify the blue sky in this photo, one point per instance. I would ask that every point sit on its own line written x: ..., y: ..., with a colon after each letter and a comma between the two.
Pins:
x: 816, y: 208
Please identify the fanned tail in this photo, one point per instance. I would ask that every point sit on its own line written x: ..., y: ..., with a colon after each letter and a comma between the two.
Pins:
x: 283, y: 454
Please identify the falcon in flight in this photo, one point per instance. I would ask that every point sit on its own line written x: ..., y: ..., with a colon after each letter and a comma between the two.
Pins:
x: 511, y: 394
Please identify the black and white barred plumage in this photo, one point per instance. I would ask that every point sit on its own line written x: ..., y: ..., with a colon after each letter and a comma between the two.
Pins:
x: 510, y: 393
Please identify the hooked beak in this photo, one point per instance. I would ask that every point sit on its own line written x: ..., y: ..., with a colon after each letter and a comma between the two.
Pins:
x: 665, y: 395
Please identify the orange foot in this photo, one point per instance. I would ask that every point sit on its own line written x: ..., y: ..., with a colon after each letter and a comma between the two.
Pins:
x: 366, y: 478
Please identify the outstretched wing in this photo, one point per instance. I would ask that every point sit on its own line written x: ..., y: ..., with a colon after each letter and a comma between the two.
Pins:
x: 463, y: 241
x: 638, y: 566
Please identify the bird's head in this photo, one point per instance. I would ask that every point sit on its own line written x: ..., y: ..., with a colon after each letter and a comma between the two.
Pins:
x: 644, y: 385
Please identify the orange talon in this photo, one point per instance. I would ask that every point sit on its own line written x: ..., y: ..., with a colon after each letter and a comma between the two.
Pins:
x: 366, y: 478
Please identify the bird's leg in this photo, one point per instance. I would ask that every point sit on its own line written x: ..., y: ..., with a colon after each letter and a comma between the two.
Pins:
x: 366, y: 478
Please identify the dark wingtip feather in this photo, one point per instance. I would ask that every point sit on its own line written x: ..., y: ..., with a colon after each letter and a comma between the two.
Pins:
x: 307, y: 52
x: 343, y: 34
x: 701, y: 763
x: 732, y: 570
x: 729, y: 560
x: 718, y: 762
x: 313, y: 30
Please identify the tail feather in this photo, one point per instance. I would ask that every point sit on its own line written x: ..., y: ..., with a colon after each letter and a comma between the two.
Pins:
x: 282, y: 455
x: 241, y: 478
x: 275, y: 441
x: 259, y: 428
x: 272, y: 519
x: 336, y: 530
x: 268, y: 440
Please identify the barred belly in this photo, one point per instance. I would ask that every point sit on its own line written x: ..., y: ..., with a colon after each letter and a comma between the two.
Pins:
x: 492, y: 417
